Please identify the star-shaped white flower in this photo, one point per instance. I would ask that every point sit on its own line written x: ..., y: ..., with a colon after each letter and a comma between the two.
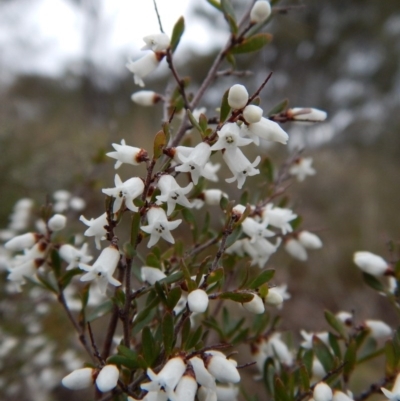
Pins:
x: 96, y: 228
x: 157, y: 42
x: 172, y: 193
x: 279, y: 217
x: 301, y: 168
x: 159, y: 226
x: 125, y: 192
x: 103, y: 269
x: 265, y: 129
x: 196, y: 161
x: 255, y: 230
x: 74, y: 256
x: 127, y: 154
x: 143, y: 67
x: 229, y: 138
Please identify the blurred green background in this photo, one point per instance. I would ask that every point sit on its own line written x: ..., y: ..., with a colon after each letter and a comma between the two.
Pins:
x: 340, y: 56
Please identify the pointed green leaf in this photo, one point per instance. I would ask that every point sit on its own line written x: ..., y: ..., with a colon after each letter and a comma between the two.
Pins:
x: 281, y: 106
x: 304, y: 379
x: 46, y: 282
x: 349, y: 360
x: 168, y: 333
x: 225, y: 109
x: 194, y: 338
x: 333, y: 342
x: 229, y: 11
x: 124, y: 361
x: 177, y: 32
x: 135, y: 224
x: 323, y: 354
x: 373, y: 282
x: 252, y: 44
x: 237, y: 296
x: 236, y: 233
x: 215, y: 4
x: 203, y: 122
x: 193, y: 121
x: 172, y: 278
x: 68, y: 276
x: 308, y: 358
x: 149, y: 347
x: 153, y: 261
x: 56, y: 262
x: 261, y: 279
x: 336, y: 324
x: 173, y: 297
x: 185, y: 333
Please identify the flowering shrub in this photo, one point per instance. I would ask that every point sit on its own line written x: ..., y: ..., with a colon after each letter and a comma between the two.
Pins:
x: 171, y: 310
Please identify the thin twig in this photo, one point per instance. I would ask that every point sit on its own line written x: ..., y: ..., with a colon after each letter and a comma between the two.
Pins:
x: 158, y: 16
x: 198, y: 248
x: 258, y: 91
x: 94, y: 346
x: 374, y: 388
x: 125, y: 316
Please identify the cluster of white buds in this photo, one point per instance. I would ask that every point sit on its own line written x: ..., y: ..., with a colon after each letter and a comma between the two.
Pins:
x: 297, y: 244
x: 64, y: 201
x: 158, y: 44
x: 182, y: 380
x: 106, y: 379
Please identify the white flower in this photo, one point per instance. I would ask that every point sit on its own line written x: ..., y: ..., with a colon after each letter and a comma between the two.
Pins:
x: 76, y: 203
x: 308, y: 338
x: 195, y: 162
x: 322, y: 392
x: 143, y: 67
x: 27, y: 268
x: 237, y: 96
x: 256, y: 305
x: 145, y: 98
x: 203, y: 376
x: 252, y: 113
x: 212, y: 197
x: 260, y: 11
x: 275, y: 347
x: 158, y: 42
x: 125, y: 192
x: 198, y: 301
x: 265, y: 129
x: 229, y: 138
x: 107, y: 378
x: 378, y: 329
x: 394, y: 394
x: 151, y: 274
x: 159, y: 226
x: 240, y: 166
x: 255, y: 230
x: 186, y: 389
x: 79, y: 379
x: 21, y: 242
x: 306, y: 114
x: 295, y: 249
x: 57, y: 222
x: 370, y: 263
x: 103, y: 269
x: 302, y: 168
x: 279, y: 217
x: 221, y: 368
x: 172, y: 193
x: 340, y: 396
x: 127, y: 154
x: 74, y: 256
x: 260, y: 251
x: 96, y: 228
x: 274, y: 297
x: 210, y: 171
x: 167, y: 378
x: 309, y: 240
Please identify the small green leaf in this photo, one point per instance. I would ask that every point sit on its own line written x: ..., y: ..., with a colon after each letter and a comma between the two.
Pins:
x: 333, y: 342
x: 177, y: 32
x: 262, y: 278
x: 336, y: 324
x: 188, y: 216
x: 46, y: 282
x: 267, y: 169
x: 232, y: 24
x: 229, y: 12
x: 168, y: 333
x: 225, y: 109
x: 172, y: 278
x: 231, y: 60
x: 296, y: 223
x: 160, y: 292
x: 153, y: 261
x: 215, y: 276
x: 185, y: 333
x: 56, y: 262
x: 281, y: 106
x: 237, y: 296
x: 350, y: 358
x: 124, y: 361
x: 149, y: 347
x: 167, y: 131
x: 129, y: 250
x: 193, y: 121
x: 203, y: 122
x: 236, y: 233
x: 373, y: 282
x: 215, y: 4
x: 308, y: 358
x: 280, y: 390
x: 323, y: 354
x: 160, y: 141
x: 223, y: 203
x: 252, y: 44
x: 304, y: 378
x: 194, y: 338
x: 173, y: 297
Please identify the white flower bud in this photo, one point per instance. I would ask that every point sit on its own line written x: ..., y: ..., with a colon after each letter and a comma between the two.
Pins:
x: 198, y: 301
x: 309, y: 240
x: 344, y: 317
x: 23, y: 241
x: 143, y: 67
x: 238, y: 210
x: 157, y: 42
x: 23, y: 204
x: 295, y: 249
x: 78, y: 379
x: 308, y: 114
x: 256, y: 305
x: 340, y: 396
x: 317, y: 369
x: 238, y: 97
x: 222, y: 369
x: 260, y: 11
x: 322, y: 392
x: 77, y: 203
x: 274, y: 297
x: 378, y: 329
x: 252, y: 113
x: 145, y: 98
x: 203, y: 376
x: 57, y: 222
x: 62, y: 195
x: 186, y: 388
x: 107, y: 378
x: 370, y: 263
x: 151, y: 274
x: 212, y: 197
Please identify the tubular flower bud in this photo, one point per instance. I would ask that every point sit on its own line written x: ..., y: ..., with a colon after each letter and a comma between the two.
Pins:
x: 274, y: 297
x: 301, y: 168
x: 322, y: 392
x: 395, y: 393
x: 370, y: 263
x: 378, y: 329
x: 21, y: 242
x: 143, y: 67
x: 309, y: 240
x: 158, y: 42
x: 260, y: 11
x: 79, y: 379
x: 265, y: 129
x: 212, y: 197
x: 256, y: 305
x: 252, y: 113
x: 127, y: 154
x: 340, y: 396
x: 107, y: 378
x: 237, y: 97
x: 306, y: 114
x: 186, y: 388
x: 146, y: 98
x: 151, y: 274
x: 57, y: 222
x: 295, y: 249
x: 203, y: 376
x: 221, y: 368
x: 198, y: 301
